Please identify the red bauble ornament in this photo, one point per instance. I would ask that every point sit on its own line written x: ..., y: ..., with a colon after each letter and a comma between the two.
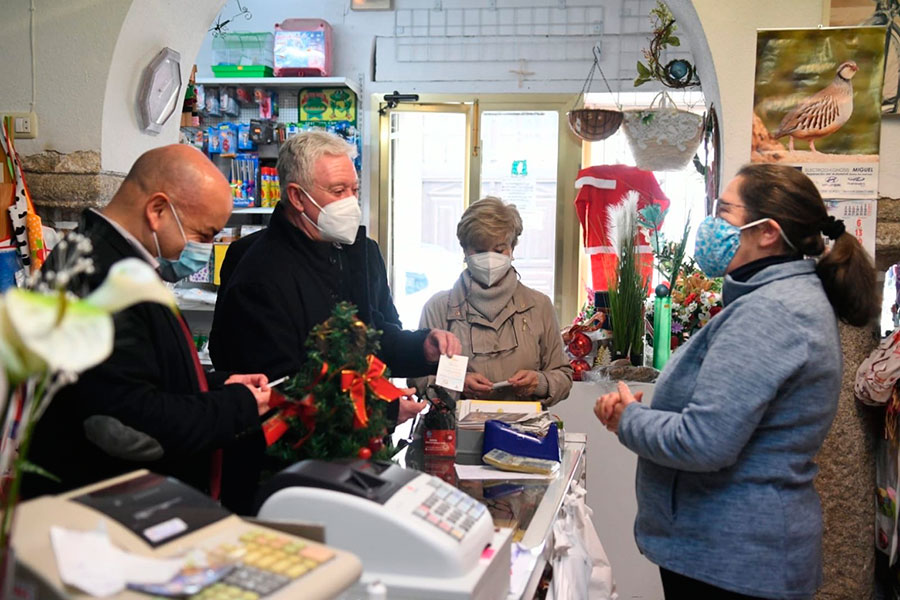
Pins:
x: 364, y: 453
x: 580, y: 345
x: 376, y: 444
x: 579, y: 366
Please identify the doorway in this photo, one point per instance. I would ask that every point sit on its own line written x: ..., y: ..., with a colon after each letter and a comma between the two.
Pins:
x: 441, y: 154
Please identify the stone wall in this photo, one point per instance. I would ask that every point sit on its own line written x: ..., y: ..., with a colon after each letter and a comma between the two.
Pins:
x: 846, y: 480
x: 887, y: 238
x: 62, y: 185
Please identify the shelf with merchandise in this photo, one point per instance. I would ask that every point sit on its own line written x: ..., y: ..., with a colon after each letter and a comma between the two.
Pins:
x: 282, y: 82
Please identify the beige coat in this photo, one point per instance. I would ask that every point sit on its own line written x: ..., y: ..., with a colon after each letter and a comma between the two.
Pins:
x: 525, y: 335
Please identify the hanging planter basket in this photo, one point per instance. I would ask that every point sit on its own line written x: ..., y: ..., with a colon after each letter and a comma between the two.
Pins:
x: 594, y: 124
x: 662, y: 137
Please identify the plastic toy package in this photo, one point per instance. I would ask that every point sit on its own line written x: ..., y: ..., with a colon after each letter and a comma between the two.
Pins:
x: 302, y: 48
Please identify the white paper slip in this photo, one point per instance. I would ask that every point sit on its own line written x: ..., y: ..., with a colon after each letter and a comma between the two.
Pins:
x: 451, y: 372
x: 88, y: 560
x: 501, y: 384
x: 486, y: 473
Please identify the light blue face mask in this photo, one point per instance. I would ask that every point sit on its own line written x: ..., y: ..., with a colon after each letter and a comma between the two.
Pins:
x: 193, y: 257
x: 718, y: 242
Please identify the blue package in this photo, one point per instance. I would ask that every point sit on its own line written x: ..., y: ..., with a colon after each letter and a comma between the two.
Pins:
x: 243, y: 141
x: 228, y: 138
x: 498, y: 434
x: 213, y: 142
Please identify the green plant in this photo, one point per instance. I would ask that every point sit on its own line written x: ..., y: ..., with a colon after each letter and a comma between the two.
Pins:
x: 627, y: 288
x: 669, y: 255
x: 337, y: 404
x: 677, y: 73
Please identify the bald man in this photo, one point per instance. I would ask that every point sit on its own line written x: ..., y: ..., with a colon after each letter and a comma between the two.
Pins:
x: 150, y: 405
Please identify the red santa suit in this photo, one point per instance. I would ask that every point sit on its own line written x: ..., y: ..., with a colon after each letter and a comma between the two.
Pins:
x: 599, y: 188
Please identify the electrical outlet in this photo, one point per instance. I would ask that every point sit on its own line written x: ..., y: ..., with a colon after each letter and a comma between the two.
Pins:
x: 24, y: 124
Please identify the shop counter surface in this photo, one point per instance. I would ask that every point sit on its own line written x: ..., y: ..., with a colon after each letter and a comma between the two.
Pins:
x: 528, y: 506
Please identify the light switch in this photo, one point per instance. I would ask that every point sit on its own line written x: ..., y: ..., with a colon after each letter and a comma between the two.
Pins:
x: 24, y: 124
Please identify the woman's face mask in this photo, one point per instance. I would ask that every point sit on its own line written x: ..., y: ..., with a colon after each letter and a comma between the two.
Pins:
x: 718, y: 242
x: 487, y: 268
x: 194, y: 256
x: 338, y: 221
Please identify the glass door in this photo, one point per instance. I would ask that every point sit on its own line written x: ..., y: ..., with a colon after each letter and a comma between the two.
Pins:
x: 519, y: 162
x: 438, y: 156
x: 427, y: 191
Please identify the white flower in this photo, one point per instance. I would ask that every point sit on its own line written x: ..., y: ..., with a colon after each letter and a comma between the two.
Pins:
x: 57, y: 332
x: 129, y: 282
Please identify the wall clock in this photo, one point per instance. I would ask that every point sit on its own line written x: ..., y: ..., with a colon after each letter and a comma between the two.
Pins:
x: 159, y: 91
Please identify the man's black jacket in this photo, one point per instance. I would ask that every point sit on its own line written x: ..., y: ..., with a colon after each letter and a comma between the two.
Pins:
x: 285, y: 284
x: 143, y: 403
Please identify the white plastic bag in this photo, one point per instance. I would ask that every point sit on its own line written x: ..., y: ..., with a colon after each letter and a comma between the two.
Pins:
x: 581, y: 569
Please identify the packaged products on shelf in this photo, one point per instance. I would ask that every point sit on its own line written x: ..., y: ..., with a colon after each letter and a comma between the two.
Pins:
x: 244, y: 173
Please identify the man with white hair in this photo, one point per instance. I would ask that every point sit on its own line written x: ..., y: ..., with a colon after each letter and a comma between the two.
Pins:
x: 313, y: 255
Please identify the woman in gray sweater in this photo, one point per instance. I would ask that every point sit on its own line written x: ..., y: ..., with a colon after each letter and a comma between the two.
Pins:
x: 726, y: 504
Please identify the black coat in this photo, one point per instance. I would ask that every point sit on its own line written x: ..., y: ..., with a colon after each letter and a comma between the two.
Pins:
x: 148, y: 384
x: 285, y: 284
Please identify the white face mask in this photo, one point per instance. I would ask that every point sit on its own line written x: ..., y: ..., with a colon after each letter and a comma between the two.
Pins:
x: 487, y: 268
x: 338, y: 221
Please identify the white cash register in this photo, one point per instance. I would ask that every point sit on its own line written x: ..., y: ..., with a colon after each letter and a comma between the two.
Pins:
x: 416, y: 534
x: 152, y: 515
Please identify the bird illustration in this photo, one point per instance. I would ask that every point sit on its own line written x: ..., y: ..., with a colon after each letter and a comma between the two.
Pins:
x: 824, y: 112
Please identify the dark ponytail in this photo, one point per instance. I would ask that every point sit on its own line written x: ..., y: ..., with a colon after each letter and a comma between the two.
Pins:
x: 849, y: 280
x: 788, y: 196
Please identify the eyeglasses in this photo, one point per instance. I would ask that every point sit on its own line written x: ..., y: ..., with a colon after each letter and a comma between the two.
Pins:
x: 719, y: 204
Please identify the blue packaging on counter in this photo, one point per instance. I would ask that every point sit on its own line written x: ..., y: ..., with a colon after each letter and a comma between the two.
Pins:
x: 501, y: 436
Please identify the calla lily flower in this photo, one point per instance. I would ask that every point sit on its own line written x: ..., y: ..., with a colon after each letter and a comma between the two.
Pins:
x: 57, y: 332
x: 129, y: 282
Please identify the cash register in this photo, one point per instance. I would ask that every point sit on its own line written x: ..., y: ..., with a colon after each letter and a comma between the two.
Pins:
x: 153, y: 515
x: 417, y: 535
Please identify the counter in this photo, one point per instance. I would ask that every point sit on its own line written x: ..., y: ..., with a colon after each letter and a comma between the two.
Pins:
x: 530, y: 511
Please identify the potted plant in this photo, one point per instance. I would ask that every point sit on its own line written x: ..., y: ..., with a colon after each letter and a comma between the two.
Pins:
x: 627, y: 288
x: 663, y: 137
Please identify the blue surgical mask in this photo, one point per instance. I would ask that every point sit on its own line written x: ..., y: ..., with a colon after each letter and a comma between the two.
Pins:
x: 718, y: 242
x: 193, y: 257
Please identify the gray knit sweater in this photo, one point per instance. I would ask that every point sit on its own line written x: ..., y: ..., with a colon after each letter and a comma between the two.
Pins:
x: 725, y: 475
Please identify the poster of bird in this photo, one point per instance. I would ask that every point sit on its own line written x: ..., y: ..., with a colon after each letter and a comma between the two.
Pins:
x: 817, y: 104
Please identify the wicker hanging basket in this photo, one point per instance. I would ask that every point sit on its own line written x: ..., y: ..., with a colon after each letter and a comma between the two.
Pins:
x: 594, y: 124
x: 663, y: 137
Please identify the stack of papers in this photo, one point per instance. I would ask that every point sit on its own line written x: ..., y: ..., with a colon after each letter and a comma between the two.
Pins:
x: 475, y: 421
x: 522, y: 464
x: 536, y: 424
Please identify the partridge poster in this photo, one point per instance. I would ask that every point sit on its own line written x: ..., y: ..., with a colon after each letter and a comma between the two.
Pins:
x: 817, y: 105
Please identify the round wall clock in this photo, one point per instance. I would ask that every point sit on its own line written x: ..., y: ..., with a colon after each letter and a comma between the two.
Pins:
x: 160, y: 91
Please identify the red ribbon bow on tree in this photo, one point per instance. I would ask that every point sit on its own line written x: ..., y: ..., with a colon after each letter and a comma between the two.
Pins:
x: 305, y: 410
x: 355, y: 383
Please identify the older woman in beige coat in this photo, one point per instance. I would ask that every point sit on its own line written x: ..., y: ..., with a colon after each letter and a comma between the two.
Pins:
x: 508, y: 331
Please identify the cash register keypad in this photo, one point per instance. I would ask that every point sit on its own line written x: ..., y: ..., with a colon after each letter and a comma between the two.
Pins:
x: 268, y: 563
x: 450, y: 510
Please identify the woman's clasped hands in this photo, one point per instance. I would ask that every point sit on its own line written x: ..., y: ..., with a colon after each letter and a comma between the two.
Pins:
x: 609, y: 407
